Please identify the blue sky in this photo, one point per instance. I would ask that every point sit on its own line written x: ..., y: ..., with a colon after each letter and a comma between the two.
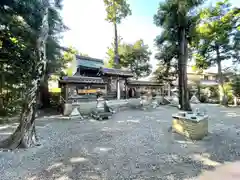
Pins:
x: 90, y: 33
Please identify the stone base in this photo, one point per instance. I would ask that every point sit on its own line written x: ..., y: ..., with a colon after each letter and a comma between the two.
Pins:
x: 101, y: 115
x: 67, y: 109
x: 134, y: 103
x: 194, y: 130
x: 80, y: 117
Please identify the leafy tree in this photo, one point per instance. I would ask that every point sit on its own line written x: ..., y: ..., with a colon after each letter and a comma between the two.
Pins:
x: 167, y: 67
x: 236, y: 86
x: 53, y: 53
x: 116, y: 11
x: 134, y: 57
x: 164, y: 75
x: 69, y: 61
x: 214, y: 38
x: 110, y: 63
x: 26, y: 30
x: 236, y: 47
x: 178, y: 20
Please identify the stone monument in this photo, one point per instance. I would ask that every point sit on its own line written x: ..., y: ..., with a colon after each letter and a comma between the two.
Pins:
x: 191, y: 125
x: 75, y: 114
x: 194, y: 99
x: 102, y: 110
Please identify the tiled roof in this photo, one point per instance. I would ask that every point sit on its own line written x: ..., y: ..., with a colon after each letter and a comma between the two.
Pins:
x: 89, y: 62
x: 81, y: 79
x: 143, y: 83
x: 89, y: 58
x: 203, y: 82
x: 118, y: 72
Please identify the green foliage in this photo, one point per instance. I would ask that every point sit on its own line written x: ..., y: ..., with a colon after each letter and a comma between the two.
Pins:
x: 69, y: 61
x: 20, y: 23
x: 117, y: 10
x: 214, y: 92
x: 178, y: 20
x: 164, y: 73
x: 229, y: 92
x: 135, y: 57
x: 236, y: 86
x: 111, y: 54
x: 196, y: 69
x: 236, y: 47
x: 167, y: 67
x: 200, y: 62
x: 171, y: 16
x: 215, y: 31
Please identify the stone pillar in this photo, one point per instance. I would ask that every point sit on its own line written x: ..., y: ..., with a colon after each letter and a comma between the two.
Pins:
x: 169, y: 90
x: 118, y: 89
x: 235, y: 100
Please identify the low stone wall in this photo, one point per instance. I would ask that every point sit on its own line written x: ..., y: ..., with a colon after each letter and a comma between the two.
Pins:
x: 85, y: 108
x: 117, y: 104
x: 134, y: 103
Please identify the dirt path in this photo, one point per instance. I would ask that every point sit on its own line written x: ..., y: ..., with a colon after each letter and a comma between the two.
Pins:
x: 134, y: 145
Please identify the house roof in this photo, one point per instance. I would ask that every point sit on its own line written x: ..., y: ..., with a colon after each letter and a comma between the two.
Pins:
x: 116, y: 72
x: 89, y: 58
x: 208, y: 82
x: 143, y: 83
x: 202, y: 82
x: 89, y: 62
x: 81, y: 80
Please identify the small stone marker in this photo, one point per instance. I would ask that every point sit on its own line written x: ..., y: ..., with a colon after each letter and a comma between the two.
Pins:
x: 75, y: 113
x: 194, y: 100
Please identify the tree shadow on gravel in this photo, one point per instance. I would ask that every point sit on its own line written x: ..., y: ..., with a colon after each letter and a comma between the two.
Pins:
x: 105, y: 163
x: 157, y: 157
x: 218, y: 148
x: 175, y: 167
x: 223, y: 146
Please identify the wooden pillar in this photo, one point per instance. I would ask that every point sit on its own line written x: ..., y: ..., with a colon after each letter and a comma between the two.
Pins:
x: 109, y: 81
x: 126, y: 89
x: 106, y: 89
x: 66, y: 91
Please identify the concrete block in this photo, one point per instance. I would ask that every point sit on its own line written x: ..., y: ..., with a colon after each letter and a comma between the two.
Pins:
x: 192, y: 126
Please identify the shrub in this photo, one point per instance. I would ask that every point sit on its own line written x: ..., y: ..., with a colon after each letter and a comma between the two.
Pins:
x: 203, y: 98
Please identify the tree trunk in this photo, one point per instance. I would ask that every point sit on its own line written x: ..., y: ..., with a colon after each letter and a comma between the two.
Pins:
x: 198, y: 91
x: 182, y: 63
x: 116, y: 55
x: 25, y: 134
x: 2, y: 109
x: 44, y: 93
x: 222, y: 92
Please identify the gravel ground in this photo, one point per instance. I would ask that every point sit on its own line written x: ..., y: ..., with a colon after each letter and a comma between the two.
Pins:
x: 133, y: 145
